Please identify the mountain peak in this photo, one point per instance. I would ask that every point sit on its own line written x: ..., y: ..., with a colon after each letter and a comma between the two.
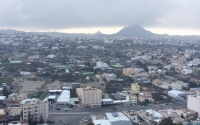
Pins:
x: 134, y: 31
x: 98, y: 32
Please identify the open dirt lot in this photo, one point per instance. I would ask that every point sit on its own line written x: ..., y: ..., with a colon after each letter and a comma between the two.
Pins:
x: 29, y: 87
x: 52, y: 86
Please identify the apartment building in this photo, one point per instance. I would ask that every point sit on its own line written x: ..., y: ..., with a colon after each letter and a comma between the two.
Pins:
x: 2, y: 114
x: 131, y: 71
x: 193, y: 102
x: 135, y: 87
x: 35, y: 107
x: 90, y: 96
x: 145, y: 96
x: 128, y: 71
x: 131, y: 99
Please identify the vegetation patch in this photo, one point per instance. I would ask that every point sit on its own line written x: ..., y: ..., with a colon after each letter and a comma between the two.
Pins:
x: 6, y: 80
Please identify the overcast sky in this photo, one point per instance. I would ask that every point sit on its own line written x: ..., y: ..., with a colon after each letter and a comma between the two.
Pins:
x: 160, y: 16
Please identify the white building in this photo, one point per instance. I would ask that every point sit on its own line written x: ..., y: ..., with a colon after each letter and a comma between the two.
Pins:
x: 186, y: 71
x: 25, y: 73
x: 155, y: 114
x: 142, y: 97
x: 35, y: 107
x: 116, y: 118
x: 51, y: 56
x: 64, y: 97
x: 177, y: 94
x: 101, y: 65
x: 193, y: 102
x: 131, y: 99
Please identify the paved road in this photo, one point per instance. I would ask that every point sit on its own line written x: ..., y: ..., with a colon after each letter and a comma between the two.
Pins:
x: 73, y: 117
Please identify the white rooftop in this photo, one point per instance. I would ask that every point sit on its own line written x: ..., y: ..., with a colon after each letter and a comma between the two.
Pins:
x: 154, y: 113
x: 117, y: 116
x: 117, y: 101
x: 101, y: 122
x: 104, y: 100
x: 176, y: 92
x: 64, y: 96
x: 2, y: 97
x: 55, y: 90
x: 52, y: 97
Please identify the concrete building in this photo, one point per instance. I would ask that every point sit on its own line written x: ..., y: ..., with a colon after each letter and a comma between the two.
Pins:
x: 135, y: 87
x: 35, y: 107
x: 188, y: 114
x: 142, y: 97
x: 2, y: 114
x: 155, y: 114
x: 107, y: 102
x: 75, y: 85
x: 90, y: 96
x: 193, y: 102
x: 64, y: 97
x: 110, y: 77
x: 169, y: 113
x: 14, y: 111
x: 115, y: 118
x: 132, y: 99
x: 178, y: 95
x: 101, y: 65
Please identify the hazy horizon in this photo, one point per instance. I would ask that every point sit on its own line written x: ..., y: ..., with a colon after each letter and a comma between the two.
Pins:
x: 180, y: 17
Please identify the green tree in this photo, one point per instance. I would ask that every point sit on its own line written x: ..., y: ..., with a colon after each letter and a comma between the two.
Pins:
x: 41, y: 120
x: 30, y: 119
x: 168, y: 121
x: 90, y: 123
x: 5, y: 92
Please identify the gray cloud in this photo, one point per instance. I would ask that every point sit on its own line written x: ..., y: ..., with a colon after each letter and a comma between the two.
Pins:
x: 60, y: 14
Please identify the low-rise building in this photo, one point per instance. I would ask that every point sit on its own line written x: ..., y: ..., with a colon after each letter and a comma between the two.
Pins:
x: 142, y: 97
x: 115, y: 118
x: 132, y: 115
x: 107, y: 102
x: 110, y: 77
x: 2, y: 114
x: 135, y: 88
x: 169, y: 113
x: 178, y: 95
x: 132, y: 99
x: 188, y: 114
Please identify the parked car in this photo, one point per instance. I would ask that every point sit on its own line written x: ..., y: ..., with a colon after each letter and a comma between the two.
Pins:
x: 57, y: 108
x: 49, y: 121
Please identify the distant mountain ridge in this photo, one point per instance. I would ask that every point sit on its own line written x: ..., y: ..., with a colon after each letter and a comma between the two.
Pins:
x: 134, y: 31
x: 131, y: 31
x: 10, y: 31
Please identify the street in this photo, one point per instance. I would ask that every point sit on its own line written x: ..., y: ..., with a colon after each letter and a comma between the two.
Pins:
x: 74, y: 117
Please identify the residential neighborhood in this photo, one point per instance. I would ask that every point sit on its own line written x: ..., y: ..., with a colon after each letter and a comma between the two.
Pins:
x: 47, y: 78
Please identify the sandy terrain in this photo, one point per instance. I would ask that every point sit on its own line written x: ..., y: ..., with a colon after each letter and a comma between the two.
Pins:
x: 52, y: 86
x: 30, y: 87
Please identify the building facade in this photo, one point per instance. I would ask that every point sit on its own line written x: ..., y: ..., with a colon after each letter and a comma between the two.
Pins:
x: 35, y: 107
x: 132, y: 99
x: 142, y: 97
x: 135, y: 87
x: 193, y: 102
x: 90, y: 96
